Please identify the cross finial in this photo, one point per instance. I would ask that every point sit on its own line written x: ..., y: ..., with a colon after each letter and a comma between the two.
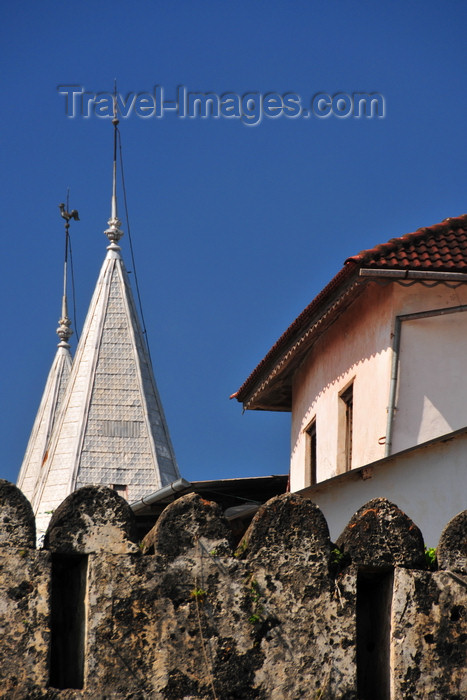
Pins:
x: 114, y: 232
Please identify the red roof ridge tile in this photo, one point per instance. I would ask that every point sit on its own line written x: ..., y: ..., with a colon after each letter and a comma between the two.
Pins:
x: 394, y: 244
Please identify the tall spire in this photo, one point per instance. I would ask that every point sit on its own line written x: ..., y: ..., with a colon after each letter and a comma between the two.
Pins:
x: 111, y: 429
x: 54, y: 389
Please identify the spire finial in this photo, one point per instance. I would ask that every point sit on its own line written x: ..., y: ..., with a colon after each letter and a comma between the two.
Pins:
x: 64, y: 331
x: 114, y: 232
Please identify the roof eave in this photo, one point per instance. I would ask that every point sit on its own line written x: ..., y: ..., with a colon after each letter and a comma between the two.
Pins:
x: 269, y: 387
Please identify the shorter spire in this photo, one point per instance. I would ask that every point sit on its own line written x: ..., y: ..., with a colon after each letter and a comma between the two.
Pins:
x: 114, y: 232
x: 57, y: 380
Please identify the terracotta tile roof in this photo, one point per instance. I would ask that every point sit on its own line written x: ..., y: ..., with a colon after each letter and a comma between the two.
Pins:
x: 438, y: 248
x: 442, y: 247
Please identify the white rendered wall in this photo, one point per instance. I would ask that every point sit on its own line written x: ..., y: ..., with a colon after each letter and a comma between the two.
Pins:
x: 428, y: 483
x: 432, y: 388
x: 358, y: 348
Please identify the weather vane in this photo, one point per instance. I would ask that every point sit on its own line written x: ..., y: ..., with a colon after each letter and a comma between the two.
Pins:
x: 67, y: 215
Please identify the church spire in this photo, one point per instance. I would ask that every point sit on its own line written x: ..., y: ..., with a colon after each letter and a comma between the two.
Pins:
x: 54, y: 389
x: 111, y: 429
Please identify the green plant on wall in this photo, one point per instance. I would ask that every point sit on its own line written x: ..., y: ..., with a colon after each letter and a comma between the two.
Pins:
x: 198, y: 594
x: 240, y: 549
x: 257, y: 607
x: 338, y: 561
x: 336, y: 556
x: 256, y: 617
x: 430, y: 557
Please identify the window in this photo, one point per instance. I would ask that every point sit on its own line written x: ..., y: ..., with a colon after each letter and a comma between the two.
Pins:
x: 121, y: 489
x: 345, y: 429
x: 68, y: 620
x: 310, y: 454
x: 119, y: 428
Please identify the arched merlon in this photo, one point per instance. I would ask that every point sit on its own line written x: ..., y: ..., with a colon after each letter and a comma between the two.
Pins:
x: 452, y: 548
x: 95, y: 519
x: 380, y: 535
x: 183, y: 524
x: 92, y: 519
x: 17, y: 524
x: 288, y: 524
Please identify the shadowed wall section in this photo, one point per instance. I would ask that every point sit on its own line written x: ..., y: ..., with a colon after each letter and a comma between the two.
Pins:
x: 289, y: 614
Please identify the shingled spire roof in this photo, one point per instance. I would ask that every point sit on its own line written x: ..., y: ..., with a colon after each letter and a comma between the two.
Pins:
x: 111, y: 429
x: 48, y: 411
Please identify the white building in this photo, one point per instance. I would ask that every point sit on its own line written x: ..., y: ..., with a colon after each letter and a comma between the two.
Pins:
x: 372, y: 368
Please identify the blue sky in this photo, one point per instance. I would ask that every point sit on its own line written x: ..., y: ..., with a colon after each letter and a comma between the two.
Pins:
x: 235, y: 227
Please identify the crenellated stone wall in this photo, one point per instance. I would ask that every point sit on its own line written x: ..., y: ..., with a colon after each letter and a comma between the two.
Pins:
x: 288, y: 615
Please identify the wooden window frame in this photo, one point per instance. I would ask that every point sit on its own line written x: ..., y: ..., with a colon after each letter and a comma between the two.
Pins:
x: 311, y: 453
x: 345, y: 428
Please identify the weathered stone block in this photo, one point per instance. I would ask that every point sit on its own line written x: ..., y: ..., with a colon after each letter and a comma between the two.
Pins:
x: 288, y: 524
x: 92, y: 519
x: 17, y: 524
x: 186, y: 522
x: 452, y: 548
x: 380, y: 535
x: 429, y: 636
x: 24, y: 623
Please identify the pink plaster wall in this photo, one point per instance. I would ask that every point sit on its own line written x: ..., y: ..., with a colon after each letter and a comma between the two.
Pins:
x: 358, y: 347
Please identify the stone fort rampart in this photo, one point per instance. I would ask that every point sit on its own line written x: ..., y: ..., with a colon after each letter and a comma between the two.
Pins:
x: 287, y: 615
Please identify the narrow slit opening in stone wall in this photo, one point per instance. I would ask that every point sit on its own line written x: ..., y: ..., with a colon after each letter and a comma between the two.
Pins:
x: 374, y: 602
x: 68, y: 621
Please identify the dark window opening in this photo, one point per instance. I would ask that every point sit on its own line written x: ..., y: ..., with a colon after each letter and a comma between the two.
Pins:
x: 374, y: 602
x: 310, y: 455
x: 121, y: 489
x: 68, y: 621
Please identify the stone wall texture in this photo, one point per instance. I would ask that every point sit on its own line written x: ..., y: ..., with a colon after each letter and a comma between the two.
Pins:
x: 287, y: 615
